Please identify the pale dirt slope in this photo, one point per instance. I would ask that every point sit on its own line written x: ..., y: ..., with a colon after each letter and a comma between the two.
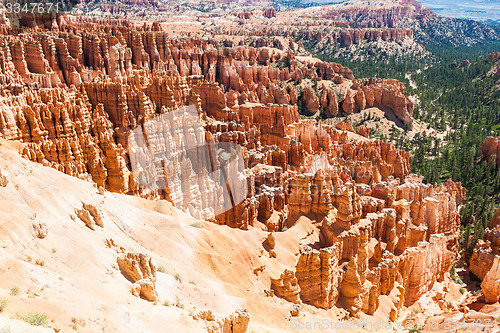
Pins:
x: 80, y: 280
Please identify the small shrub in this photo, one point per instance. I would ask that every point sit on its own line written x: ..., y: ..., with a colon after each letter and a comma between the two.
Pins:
x: 3, y: 304
x: 14, y: 291
x: 195, y: 225
x: 40, y: 262
x: 34, y: 319
x: 166, y: 303
x: 178, y: 303
x: 161, y: 269
x: 476, y: 292
x: 462, y: 290
x: 177, y: 276
x: 193, y: 283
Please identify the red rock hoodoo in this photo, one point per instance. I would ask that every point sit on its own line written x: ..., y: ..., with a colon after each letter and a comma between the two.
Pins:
x: 74, y: 92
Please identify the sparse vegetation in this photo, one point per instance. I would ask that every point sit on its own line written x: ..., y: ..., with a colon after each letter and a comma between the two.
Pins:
x: 40, y: 262
x: 177, y: 277
x: 34, y: 319
x: 14, y: 291
x: 3, y: 304
x: 166, y: 303
x: 161, y: 269
x: 5, y: 329
x: 283, y: 62
x: 195, y: 225
x: 454, y: 276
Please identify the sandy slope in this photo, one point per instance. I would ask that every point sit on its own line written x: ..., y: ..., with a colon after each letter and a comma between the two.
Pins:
x: 206, y: 266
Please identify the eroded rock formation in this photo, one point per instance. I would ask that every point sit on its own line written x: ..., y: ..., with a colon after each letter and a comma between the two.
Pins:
x: 484, y: 263
x: 139, y: 270
x: 491, y: 150
x: 74, y: 92
x: 404, y: 242
x: 236, y: 322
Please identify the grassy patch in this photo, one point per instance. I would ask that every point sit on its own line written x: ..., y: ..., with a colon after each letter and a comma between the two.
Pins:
x: 34, y: 319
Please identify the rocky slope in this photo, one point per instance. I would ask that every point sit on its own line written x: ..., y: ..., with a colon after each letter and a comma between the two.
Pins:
x: 334, y: 220
x: 427, y: 27
x: 143, y: 265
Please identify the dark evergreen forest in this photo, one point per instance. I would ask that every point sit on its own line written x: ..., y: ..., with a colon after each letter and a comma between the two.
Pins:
x: 462, y: 100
